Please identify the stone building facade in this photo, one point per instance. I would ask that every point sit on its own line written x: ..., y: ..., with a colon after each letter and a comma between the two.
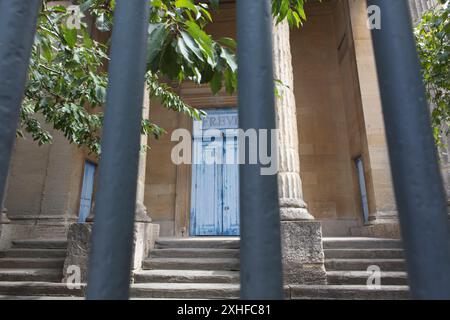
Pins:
x: 334, y: 177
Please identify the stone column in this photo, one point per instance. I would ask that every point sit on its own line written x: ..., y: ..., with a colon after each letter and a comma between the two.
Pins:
x: 141, y: 210
x: 145, y: 232
x: 289, y: 183
x: 303, y: 258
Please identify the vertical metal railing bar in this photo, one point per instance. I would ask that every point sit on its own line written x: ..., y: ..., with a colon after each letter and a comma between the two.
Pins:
x: 418, y: 185
x: 112, y: 239
x: 260, y: 253
x: 17, y: 29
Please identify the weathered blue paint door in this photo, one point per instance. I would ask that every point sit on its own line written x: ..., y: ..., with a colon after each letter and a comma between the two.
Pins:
x: 215, y: 179
x: 230, y: 176
x: 87, y: 191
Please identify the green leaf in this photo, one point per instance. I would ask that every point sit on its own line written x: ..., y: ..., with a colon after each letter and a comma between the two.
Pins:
x: 230, y: 81
x: 192, y: 45
x: 59, y: 8
x: 170, y: 65
x: 205, y: 42
x: 186, y: 4
x: 70, y: 35
x: 156, y: 39
x: 183, y: 49
x: 216, y: 82
x: 230, y: 58
x: 229, y: 42
x: 46, y: 51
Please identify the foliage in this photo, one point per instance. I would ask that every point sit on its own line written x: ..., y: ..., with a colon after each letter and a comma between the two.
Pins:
x: 68, y: 79
x: 433, y: 42
x: 292, y: 10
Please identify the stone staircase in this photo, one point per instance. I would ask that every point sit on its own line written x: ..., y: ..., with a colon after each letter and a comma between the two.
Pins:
x: 347, y: 261
x: 192, y: 268
x: 33, y: 268
x: 207, y: 268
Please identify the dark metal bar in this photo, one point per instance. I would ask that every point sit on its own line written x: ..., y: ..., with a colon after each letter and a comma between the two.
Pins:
x: 112, y: 238
x: 261, y: 272
x: 17, y: 28
x: 418, y: 185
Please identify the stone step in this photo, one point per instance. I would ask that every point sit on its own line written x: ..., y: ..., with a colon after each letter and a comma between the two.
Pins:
x: 33, y: 253
x: 363, y: 264
x: 185, y: 290
x: 361, y: 277
x: 59, y: 298
x: 49, y: 291
x: 186, y: 276
x: 28, y: 298
x: 27, y: 263
x: 361, y: 243
x: 199, y: 242
x: 349, y: 292
x: 42, y: 275
x: 40, y: 244
x: 30, y: 288
x: 191, y: 264
x: 364, y: 253
x: 5, y: 297
x: 194, y: 253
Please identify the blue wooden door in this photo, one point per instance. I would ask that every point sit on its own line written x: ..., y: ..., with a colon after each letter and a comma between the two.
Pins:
x: 215, y: 179
x: 206, y: 198
x: 230, y: 174
x: 87, y: 191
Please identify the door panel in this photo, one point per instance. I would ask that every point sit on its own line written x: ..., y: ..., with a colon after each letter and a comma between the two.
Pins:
x: 230, y: 188
x: 87, y: 191
x: 214, y: 199
x: 206, y: 199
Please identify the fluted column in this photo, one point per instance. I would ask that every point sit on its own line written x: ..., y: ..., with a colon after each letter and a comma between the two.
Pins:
x: 141, y: 210
x: 301, y: 235
x: 292, y: 206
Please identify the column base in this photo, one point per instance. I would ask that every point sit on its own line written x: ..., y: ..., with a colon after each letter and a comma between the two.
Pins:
x: 295, y: 214
x: 294, y: 210
x: 4, y: 217
x: 145, y: 236
x: 141, y: 214
x: 303, y: 257
x: 79, y: 247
